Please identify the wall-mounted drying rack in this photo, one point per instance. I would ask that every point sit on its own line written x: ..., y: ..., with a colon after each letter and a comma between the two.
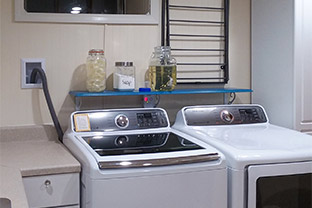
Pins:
x: 198, y: 33
x: 78, y: 95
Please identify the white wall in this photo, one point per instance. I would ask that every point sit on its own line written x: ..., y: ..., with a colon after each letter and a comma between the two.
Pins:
x: 65, y: 48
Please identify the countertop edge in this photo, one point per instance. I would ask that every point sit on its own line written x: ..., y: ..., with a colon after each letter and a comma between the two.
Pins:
x: 50, y: 171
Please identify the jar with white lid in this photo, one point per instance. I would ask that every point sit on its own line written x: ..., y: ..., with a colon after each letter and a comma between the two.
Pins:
x: 124, y: 76
x: 96, y: 71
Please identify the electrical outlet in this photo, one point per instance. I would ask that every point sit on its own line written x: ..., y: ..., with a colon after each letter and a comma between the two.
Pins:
x: 27, y: 66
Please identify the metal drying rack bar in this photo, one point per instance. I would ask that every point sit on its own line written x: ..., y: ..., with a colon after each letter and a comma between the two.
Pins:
x: 201, y: 64
x: 222, y: 52
x: 193, y: 7
x: 196, y: 21
x: 202, y: 36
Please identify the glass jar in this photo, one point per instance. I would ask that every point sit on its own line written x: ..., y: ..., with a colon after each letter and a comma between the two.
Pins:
x: 162, y: 70
x: 124, y: 76
x: 96, y: 71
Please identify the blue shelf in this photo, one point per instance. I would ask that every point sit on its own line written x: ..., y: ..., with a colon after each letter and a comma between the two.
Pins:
x: 174, y: 92
x: 225, y: 91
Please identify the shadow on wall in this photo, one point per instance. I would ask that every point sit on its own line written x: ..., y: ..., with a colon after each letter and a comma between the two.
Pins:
x: 171, y: 103
x: 77, y: 83
x: 37, y: 115
x: 68, y: 106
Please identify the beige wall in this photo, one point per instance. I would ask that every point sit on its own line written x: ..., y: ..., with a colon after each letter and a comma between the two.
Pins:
x: 0, y: 63
x: 65, y: 47
x: 240, y: 47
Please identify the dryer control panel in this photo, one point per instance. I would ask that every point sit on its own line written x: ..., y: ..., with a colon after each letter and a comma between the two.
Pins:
x: 224, y: 115
x: 117, y: 120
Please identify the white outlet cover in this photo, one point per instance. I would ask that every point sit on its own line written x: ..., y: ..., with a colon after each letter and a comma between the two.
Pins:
x: 26, y: 67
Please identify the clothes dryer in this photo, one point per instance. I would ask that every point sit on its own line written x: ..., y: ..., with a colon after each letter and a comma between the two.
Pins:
x: 268, y: 166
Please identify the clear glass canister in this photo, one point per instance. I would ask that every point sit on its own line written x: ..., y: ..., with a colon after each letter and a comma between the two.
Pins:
x: 124, y: 76
x: 162, y: 69
x: 96, y: 71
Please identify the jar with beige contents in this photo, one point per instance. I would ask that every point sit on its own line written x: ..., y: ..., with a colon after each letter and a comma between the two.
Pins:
x: 96, y: 71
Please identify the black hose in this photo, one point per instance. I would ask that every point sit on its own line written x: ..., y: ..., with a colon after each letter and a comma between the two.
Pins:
x: 48, y: 99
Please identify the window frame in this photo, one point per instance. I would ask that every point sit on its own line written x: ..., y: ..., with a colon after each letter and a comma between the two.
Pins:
x: 21, y: 15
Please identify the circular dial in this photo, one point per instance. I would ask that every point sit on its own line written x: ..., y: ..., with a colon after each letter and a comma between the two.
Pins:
x: 227, y: 116
x: 121, y: 141
x: 122, y: 121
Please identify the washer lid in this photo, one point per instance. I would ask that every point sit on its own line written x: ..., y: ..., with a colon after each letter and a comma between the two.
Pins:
x: 146, y: 150
x: 110, y: 145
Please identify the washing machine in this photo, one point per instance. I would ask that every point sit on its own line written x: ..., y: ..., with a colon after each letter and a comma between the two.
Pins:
x: 132, y: 158
x: 268, y: 166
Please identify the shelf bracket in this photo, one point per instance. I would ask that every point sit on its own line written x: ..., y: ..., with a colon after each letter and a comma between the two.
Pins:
x: 225, y: 98
x: 229, y: 98
x: 77, y: 103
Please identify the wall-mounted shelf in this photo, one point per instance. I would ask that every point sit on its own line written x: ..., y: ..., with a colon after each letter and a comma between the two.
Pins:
x: 225, y: 91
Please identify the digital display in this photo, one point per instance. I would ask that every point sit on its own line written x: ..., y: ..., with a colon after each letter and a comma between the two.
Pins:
x: 144, y: 115
x: 246, y: 111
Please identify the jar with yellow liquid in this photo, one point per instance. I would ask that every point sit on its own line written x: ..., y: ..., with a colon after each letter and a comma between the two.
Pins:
x: 96, y: 71
x: 162, y: 70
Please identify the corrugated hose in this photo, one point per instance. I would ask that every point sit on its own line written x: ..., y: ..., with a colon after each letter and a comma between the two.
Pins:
x: 39, y: 71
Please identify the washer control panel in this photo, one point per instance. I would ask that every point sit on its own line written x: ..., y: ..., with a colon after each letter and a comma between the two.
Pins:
x: 116, y: 120
x: 151, y: 119
x: 224, y: 115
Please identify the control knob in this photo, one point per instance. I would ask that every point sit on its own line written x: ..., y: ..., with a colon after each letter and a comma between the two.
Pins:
x: 122, y: 121
x: 227, y: 116
x: 121, y: 141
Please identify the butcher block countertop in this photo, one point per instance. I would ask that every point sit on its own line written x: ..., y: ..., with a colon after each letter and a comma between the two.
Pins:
x: 30, y: 151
